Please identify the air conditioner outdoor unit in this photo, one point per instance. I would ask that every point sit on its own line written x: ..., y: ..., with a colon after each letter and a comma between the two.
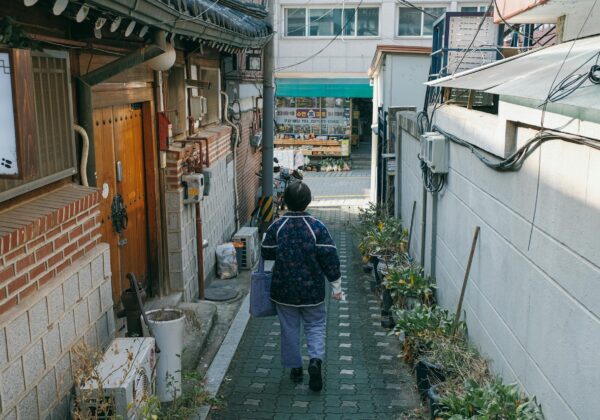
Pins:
x: 126, y: 379
x: 248, y: 236
x: 434, y: 152
x: 198, y: 107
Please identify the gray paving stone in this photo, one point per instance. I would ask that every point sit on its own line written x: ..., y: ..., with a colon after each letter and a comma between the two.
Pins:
x: 358, y: 393
x: 252, y: 402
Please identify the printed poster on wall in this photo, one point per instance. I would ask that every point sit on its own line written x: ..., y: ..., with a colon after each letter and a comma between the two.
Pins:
x: 8, y: 138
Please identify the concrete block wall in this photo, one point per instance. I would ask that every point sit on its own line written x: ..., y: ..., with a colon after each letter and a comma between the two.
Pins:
x: 218, y: 217
x: 532, y: 302
x: 181, y: 240
x: 218, y: 212
x: 37, y: 338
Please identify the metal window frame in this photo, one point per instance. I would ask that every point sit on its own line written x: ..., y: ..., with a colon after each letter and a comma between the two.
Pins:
x: 307, y: 34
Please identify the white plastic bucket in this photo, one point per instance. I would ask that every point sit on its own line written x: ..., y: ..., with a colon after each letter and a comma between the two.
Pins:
x: 167, y: 326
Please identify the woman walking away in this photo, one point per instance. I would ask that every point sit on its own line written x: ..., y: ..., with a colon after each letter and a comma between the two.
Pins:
x: 305, y: 255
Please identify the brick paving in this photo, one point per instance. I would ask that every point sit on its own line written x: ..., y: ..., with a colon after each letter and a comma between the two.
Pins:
x: 363, y: 376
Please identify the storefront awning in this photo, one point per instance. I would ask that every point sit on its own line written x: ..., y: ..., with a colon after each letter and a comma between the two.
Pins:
x: 325, y: 88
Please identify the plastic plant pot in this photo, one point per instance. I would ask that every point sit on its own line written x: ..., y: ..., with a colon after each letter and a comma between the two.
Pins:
x: 425, y: 372
x: 167, y: 326
x: 433, y: 402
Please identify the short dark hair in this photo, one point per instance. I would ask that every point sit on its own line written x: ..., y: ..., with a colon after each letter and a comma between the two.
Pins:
x: 297, y: 196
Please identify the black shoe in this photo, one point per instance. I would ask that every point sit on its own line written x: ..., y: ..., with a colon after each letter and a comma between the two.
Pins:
x: 314, y: 370
x: 296, y: 375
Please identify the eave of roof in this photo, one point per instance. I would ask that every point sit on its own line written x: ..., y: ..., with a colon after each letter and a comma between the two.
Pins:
x: 531, y: 75
x: 195, y: 19
x: 383, y: 49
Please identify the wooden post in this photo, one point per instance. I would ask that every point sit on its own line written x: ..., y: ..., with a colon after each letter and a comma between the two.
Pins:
x: 464, y: 286
x: 412, y: 219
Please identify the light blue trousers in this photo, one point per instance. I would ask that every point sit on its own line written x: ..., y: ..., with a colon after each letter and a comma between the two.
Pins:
x: 314, y: 319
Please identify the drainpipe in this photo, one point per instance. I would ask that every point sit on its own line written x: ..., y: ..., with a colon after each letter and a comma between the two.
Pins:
x: 434, y: 206
x: 268, y: 112
x: 423, y: 225
x: 234, y: 147
x: 85, y: 149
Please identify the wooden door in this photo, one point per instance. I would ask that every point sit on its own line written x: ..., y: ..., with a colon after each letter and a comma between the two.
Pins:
x: 118, y: 141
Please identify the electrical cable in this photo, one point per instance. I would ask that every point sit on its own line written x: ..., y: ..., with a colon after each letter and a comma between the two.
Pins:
x: 515, y: 161
x: 322, y: 49
x: 574, y: 80
x: 422, y: 10
x: 512, y: 28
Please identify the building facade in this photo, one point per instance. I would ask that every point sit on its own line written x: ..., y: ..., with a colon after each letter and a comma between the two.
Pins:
x: 531, y: 297
x: 107, y: 109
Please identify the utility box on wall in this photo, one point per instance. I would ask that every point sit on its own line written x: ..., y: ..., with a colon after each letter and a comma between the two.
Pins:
x: 434, y: 152
x: 193, y: 188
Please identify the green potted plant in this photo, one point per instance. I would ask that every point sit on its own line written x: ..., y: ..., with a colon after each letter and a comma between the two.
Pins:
x: 409, y: 285
x: 493, y: 400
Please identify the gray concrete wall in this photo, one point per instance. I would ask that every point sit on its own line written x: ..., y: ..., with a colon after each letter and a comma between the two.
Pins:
x: 532, y: 304
x: 37, y: 339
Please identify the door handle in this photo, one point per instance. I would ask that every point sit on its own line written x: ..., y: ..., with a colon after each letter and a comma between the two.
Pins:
x: 119, y: 171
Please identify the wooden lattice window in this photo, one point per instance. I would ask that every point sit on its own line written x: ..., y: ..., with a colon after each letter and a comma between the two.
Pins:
x: 43, y: 121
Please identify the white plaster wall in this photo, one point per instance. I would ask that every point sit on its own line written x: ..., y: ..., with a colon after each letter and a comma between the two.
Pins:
x: 532, y: 306
x: 403, y: 77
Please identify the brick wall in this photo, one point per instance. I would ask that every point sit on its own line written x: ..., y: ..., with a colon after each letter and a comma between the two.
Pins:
x: 56, y: 288
x: 41, y: 238
x: 248, y: 164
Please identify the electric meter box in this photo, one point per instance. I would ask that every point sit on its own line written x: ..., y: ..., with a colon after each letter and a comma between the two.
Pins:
x: 434, y: 152
x: 195, y: 188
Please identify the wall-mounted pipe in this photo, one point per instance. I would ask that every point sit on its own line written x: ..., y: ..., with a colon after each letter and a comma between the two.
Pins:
x: 85, y: 150
x: 234, y: 147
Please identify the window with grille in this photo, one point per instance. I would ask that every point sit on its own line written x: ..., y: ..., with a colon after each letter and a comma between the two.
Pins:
x: 44, y: 109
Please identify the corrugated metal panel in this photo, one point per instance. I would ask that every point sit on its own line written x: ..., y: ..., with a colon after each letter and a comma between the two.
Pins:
x: 54, y: 139
x: 530, y: 75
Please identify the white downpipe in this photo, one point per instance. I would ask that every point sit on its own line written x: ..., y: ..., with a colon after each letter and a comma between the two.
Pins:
x: 85, y: 150
x: 237, y: 139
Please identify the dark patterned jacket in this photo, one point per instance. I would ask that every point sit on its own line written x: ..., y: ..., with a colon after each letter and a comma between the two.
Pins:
x: 305, y: 255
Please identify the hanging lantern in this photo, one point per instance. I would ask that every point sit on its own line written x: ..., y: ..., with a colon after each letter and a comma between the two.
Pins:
x: 99, y: 23
x: 143, y: 31
x: 29, y: 3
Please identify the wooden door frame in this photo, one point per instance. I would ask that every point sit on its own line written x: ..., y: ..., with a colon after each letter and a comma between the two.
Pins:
x: 107, y: 95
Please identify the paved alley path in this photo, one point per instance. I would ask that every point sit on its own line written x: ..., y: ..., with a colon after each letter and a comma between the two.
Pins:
x: 364, y: 378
